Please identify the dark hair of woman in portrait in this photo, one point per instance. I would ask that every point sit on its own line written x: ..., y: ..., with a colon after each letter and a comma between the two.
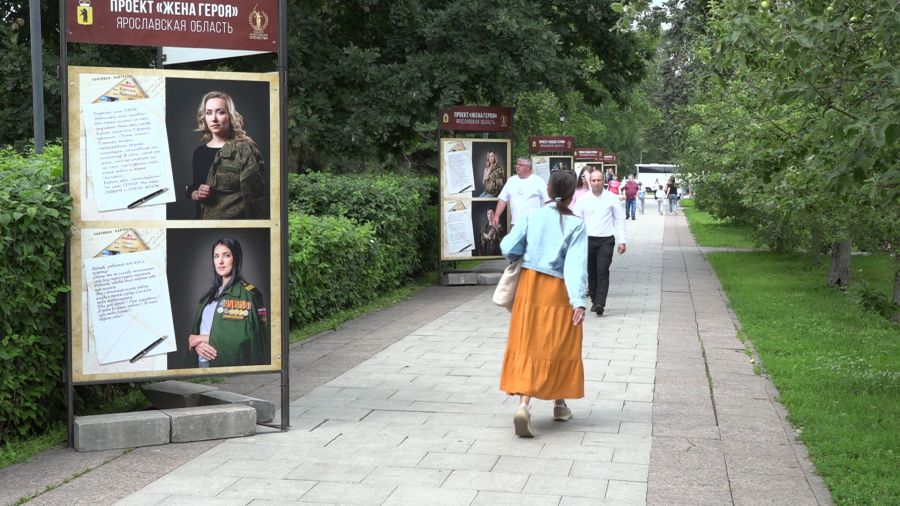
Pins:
x: 231, y: 325
x: 219, y: 283
x: 543, y: 349
x: 227, y: 168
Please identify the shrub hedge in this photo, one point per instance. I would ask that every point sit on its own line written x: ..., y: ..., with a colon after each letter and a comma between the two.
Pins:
x: 334, y: 263
x: 401, y: 209
x: 34, y: 221
x: 350, y: 238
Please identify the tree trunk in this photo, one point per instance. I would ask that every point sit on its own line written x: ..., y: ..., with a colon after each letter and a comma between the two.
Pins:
x: 839, y: 272
x: 896, y: 316
x: 816, y: 246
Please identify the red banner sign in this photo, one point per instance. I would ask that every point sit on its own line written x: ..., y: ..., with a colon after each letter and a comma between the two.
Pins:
x: 589, y: 154
x: 214, y: 24
x: 610, y: 158
x: 538, y: 144
x: 477, y: 119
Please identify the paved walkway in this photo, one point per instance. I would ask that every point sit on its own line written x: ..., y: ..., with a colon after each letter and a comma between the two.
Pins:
x: 402, y: 407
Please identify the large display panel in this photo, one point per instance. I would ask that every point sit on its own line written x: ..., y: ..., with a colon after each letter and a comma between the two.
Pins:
x: 473, y: 171
x: 174, y: 231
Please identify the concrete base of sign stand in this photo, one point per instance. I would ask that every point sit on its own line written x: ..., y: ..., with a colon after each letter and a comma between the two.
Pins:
x: 489, y: 278
x: 265, y: 410
x: 174, y: 394
x: 459, y: 278
x: 148, y: 428
x: 184, y: 412
x: 121, y: 430
x: 211, y: 422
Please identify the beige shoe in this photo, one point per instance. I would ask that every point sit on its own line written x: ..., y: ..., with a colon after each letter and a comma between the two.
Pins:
x: 522, y: 423
x: 561, y: 412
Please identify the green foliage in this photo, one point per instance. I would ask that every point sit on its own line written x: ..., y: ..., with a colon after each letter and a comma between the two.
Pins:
x: 836, y: 366
x: 792, y: 126
x: 34, y: 223
x: 402, y: 211
x: 353, y: 237
x: 334, y: 264
x: 14, y: 449
x: 877, y: 302
x: 348, y: 108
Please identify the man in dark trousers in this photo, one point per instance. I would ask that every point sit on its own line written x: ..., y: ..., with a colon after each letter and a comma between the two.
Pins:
x: 631, y: 190
x: 605, y: 222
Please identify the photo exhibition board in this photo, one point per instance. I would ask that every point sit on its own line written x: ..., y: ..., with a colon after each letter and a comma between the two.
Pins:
x: 144, y: 279
x: 473, y: 173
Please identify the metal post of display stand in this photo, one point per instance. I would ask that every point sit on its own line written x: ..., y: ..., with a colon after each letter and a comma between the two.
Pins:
x: 64, y: 111
x: 285, y: 305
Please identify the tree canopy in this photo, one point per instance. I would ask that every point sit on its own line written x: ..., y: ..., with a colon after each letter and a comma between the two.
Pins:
x: 366, y: 77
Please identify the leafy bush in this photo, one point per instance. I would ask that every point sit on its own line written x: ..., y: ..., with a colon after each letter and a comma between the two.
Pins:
x: 34, y: 222
x: 334, y: 263
x: 401, y: 209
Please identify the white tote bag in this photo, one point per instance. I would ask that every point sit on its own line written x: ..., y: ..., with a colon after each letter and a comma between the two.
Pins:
x: 505, y: 293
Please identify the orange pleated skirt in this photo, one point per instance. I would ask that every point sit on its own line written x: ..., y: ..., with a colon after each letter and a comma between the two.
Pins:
x: 543, y: 351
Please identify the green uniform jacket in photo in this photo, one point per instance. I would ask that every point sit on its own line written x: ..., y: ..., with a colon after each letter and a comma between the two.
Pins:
x: 240, y: 328
x: 238, y: 186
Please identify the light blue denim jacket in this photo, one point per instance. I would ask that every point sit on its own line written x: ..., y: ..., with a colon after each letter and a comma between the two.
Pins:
x: 559, y: 251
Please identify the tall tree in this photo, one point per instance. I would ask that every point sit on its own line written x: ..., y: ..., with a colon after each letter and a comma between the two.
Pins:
x: 368, y: 77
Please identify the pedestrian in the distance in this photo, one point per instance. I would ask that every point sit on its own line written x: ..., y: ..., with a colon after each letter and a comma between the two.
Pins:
x: 614, y: 185
x: 660, y: 198
x: 672, y: 194
x: 631, y: 190
x: 642, y: 194
x: 543, y: 351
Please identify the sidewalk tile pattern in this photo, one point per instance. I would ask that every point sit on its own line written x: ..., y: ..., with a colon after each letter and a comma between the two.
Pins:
x: 422, y: 421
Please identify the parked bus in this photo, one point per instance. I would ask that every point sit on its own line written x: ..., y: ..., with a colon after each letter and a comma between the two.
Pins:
x: 648, y: 174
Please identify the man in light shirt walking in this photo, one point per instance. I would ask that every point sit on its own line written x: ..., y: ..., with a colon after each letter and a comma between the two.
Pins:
x: 605, y: 221
x: 525, y: 192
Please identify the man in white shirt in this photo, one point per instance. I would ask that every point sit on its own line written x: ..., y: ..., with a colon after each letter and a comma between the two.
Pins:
x: 524, y: 192
x: 605, y: 221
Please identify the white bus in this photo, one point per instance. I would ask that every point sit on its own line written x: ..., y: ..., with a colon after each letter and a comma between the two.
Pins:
x: 648, y: 174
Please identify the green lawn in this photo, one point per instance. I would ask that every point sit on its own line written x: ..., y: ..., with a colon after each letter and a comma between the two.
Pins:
x: 836, y: 364
x: 709, y: 231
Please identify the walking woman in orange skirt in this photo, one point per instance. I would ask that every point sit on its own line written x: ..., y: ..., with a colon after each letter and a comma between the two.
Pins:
x: 543, y: 352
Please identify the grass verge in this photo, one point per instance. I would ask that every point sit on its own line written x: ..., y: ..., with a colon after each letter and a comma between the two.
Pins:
x: 836, y: 363
x: 386, y: 300
x: 836, y: 366
x: 711, y: 232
